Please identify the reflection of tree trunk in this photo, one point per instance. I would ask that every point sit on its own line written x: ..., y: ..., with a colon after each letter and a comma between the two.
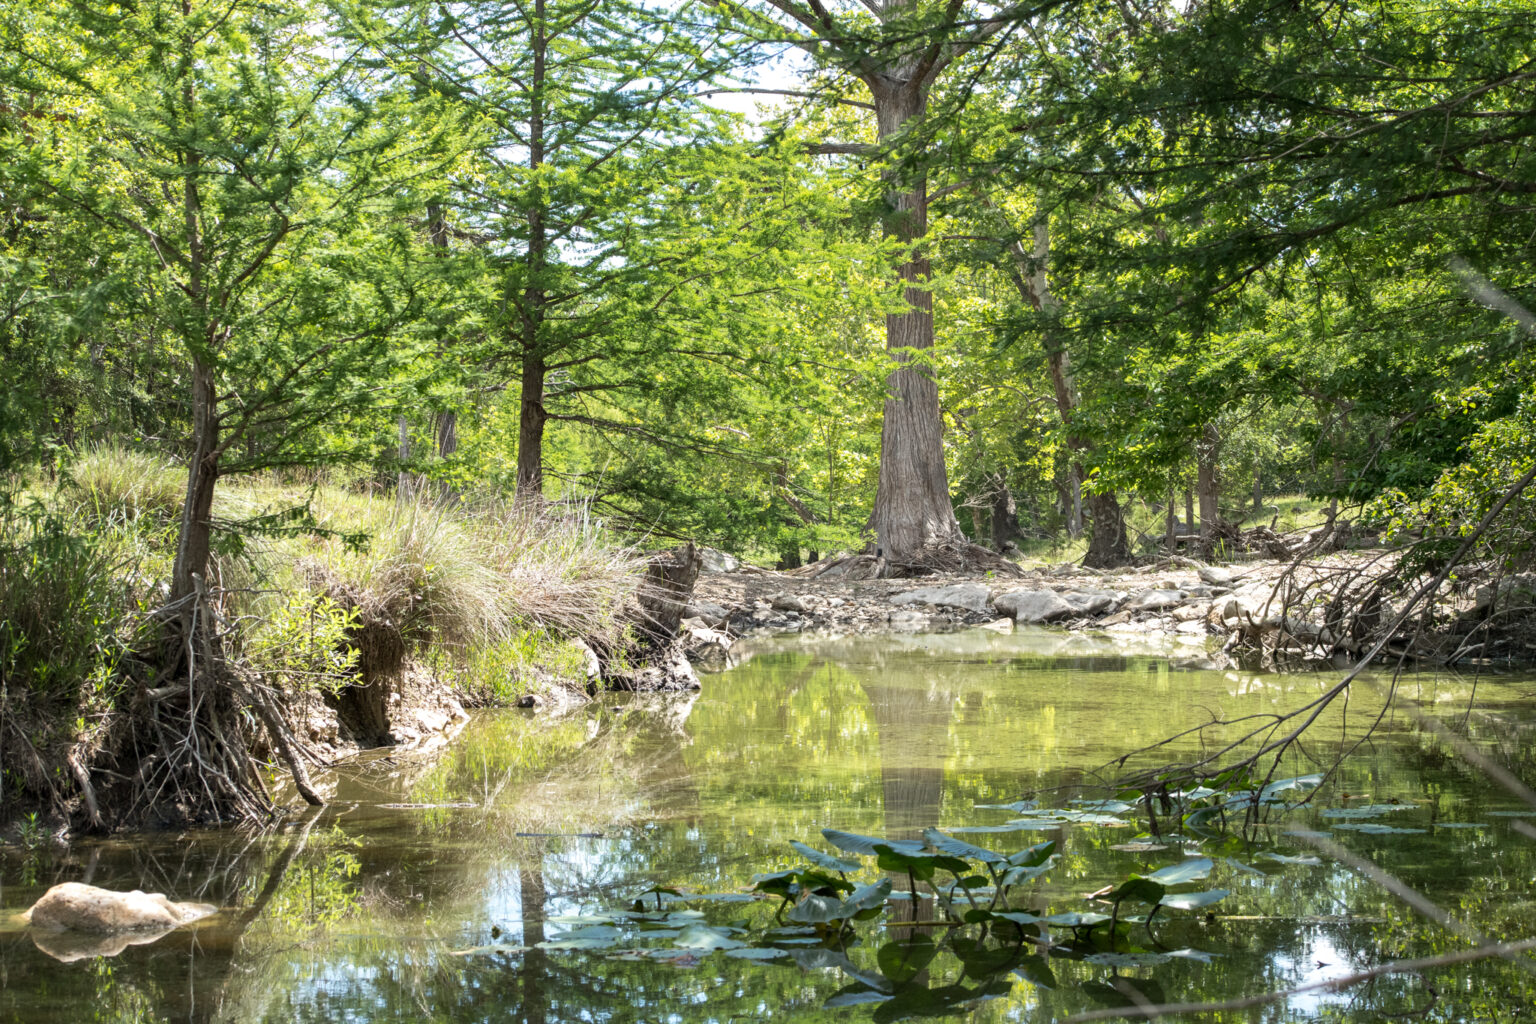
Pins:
x: 531, y: 896
x: 913, y: 728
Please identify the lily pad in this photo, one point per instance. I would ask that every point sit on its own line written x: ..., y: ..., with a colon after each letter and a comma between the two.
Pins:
x: 1370, y: 828
x: 825, y: 861
x: 1191, y: 870
x: 1075, y: 920
x: 851, y: 842
x: 1282, y: 858
x: 1365, y: 811
x: 960, y: 848
x: 702, y: 937
x: 1195, y: 900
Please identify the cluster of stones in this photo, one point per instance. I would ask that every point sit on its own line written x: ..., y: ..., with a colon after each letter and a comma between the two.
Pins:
x: 1212, y: 602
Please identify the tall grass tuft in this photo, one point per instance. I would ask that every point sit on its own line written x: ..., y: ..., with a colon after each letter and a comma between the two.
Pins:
x: 110, y: 484
x: 470, y: 579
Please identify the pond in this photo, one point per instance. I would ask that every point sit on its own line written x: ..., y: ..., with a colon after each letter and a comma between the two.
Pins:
x: 498, y: 879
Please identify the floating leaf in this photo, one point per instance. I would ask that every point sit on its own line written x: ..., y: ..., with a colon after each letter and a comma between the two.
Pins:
x: 959, y: 848
x: 855, y: 995
x: 1139, y: 847
x: 1017, y: 807
x: 1281, y: 858
x: 818, y: 910
x: 1191, y: 870
x: 1074, y: 920
x: 1370, y: 828
x: 853, y: 843
x: 1460, y: 824
x: 1241, y: 867
x: 1195, y: 900
x: 825, y: 861
x: 569, y: 944
x: 1105, y: 806
x: 702, y: 937
x: 1021, y: 825
x: 1365, y: 811
x: 1286, y: 785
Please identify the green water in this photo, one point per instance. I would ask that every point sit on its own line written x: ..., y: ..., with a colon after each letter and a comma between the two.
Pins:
x: 365, y: 911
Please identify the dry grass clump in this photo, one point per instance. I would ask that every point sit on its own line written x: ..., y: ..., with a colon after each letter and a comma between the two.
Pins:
x: 467, y: 578
x: 113, y: 484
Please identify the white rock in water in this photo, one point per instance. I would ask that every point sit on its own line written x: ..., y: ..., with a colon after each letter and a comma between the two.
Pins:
x: 998, y: 625
x: 1030, y: 606
x: 908, y: 619
x: 971, y: 597
x: 1156, y: 600
x: 73, y: 906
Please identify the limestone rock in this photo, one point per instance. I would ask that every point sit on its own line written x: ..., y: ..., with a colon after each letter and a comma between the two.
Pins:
x: 998, y: 625
x: 1191, y: 612
x: 73, y: 906
x: 711, y: 614
x: 971, y: 597
x: 719, y: 561
x: 1156, y: 600
x: 1031, y: 606
x: 1216, y: 576
x: 908, y: 619
x: 1089, y: 602
x: 790, y: 603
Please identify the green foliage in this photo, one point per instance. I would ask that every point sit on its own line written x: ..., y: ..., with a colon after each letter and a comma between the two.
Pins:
x: 115, y: 484
x: 67, y: 606
x: 303, y: 645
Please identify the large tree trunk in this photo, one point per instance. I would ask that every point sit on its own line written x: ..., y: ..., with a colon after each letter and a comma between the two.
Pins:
x: 530, y: 431
x: 1005, y: 514
x: 1207, y: 481
x: 193, y: 544
x: 1107, y: 543
x: 912, y: 509
x: 531, y: 415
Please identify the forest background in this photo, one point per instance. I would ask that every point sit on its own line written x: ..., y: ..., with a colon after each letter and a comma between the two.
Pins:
x: 400, y: 312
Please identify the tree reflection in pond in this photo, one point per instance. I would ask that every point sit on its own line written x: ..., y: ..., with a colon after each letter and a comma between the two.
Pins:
x: 357, y: 913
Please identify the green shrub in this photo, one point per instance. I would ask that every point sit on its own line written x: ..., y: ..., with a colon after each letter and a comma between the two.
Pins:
x: 65, y: 602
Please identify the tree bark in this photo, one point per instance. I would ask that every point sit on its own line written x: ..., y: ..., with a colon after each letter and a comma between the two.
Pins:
x: 1005, y: 514
x: 1207, y: 480
x: 194, y: 542
x: 530, y: 431
x: 531, y: 415
x: 1108, y: 545
x: 913, y: 511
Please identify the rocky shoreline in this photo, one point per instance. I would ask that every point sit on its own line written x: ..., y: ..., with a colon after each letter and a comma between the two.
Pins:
x: 1267, y: 608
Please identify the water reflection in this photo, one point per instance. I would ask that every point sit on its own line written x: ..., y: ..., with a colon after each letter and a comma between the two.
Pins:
x: 357, y: 912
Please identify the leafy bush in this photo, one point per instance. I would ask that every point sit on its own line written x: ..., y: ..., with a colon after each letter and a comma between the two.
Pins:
x: 303, y: 643
x: 65, y: 603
